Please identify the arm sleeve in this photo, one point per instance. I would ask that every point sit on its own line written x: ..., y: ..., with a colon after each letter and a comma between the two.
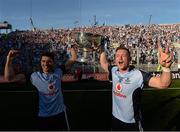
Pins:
x: 146, y: 77
x: 32, y: 78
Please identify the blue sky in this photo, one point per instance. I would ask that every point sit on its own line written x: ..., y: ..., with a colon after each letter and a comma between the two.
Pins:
x: 64, y: 13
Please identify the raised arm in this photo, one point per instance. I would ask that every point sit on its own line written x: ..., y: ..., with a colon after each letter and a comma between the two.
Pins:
x: 103, y: 61
x: 164, y: 80
x: 73, y: 58
x: 9, y: 74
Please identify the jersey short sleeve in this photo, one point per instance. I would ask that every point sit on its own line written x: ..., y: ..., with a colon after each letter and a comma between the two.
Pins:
x: 146, y: 77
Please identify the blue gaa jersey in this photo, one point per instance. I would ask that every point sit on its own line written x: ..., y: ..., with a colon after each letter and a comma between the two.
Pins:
x: 50, y: 95
x: 126, y: 93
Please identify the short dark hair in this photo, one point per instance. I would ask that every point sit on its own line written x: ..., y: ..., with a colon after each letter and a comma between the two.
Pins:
x: 48, y: 54
x: 122, y: 47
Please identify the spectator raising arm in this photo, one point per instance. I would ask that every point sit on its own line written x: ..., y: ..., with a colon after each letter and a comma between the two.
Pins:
x: 9, y: 74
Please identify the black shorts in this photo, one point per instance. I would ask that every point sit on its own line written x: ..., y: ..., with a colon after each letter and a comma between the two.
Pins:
x: 52, y: 123
x: 118, y: 125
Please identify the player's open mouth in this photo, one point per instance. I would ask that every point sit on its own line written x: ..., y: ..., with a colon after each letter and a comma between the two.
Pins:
x: 121, y: 62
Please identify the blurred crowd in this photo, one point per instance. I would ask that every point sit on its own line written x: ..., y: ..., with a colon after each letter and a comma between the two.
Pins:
x: 140, y: 39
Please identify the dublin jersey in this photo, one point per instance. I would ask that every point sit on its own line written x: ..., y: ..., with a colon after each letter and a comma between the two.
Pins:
x: 49, y: 90
x: 126, y: 93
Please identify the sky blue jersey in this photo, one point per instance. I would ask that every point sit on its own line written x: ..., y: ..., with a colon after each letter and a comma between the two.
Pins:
x: 126, y: 93
x: 51, y: 100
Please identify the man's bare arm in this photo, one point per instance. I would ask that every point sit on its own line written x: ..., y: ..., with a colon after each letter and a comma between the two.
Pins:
x: 103, y: 61
x: 165, y: 79
x: 71, y: 61
x: 9, y: 74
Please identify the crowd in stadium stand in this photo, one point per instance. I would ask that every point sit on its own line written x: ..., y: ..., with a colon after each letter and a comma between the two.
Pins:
x: 141, y: 38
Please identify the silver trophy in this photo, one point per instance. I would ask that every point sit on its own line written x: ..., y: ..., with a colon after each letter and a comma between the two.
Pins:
x: 87, y: 42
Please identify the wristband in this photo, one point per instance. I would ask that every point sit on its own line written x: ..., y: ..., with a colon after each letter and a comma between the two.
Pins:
x: 164, y: 69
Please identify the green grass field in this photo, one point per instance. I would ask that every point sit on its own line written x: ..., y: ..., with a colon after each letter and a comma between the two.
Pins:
x: 175, y: 84
x: 161, y: 108
x: 89, y: 106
